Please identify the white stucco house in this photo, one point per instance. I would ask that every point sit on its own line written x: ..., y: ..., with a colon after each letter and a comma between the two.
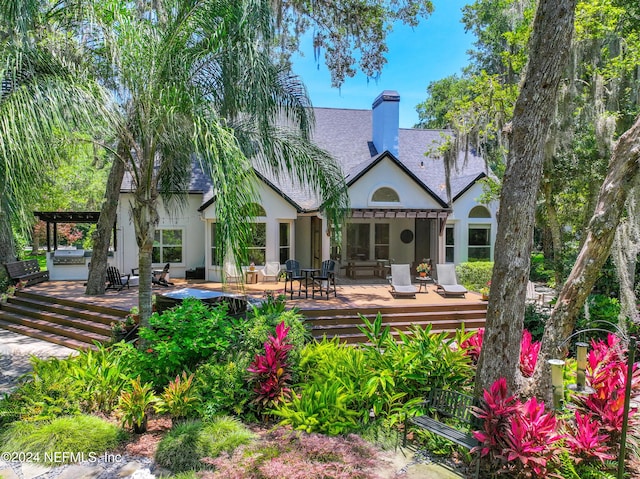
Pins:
x: 399, y: 206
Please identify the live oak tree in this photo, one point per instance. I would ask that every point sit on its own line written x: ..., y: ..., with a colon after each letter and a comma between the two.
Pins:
x: 345, y: 32
x: 533, y: 114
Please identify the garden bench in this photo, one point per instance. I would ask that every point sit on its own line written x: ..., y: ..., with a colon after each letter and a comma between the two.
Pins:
x: 455, y: 408
x: 26, y: 271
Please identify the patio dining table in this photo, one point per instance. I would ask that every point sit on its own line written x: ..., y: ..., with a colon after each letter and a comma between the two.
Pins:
x: 308, y: 277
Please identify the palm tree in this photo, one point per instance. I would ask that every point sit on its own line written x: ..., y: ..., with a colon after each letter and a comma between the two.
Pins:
x: 45, y: 101
x: 196, y: 80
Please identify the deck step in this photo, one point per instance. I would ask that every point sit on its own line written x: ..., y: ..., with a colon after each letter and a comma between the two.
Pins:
x: 53, y: 328
x: 44, y: 336
x: 345, y: 323
x: 76, y: 311
x: 96, y: 308
x: 72, y: 320
x: 60, y: 321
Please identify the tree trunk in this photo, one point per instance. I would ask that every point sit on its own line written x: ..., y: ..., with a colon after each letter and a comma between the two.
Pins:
x: 623, y: 170
x: 533, y: 114
x: 145, y: 219
x: 102, y: 236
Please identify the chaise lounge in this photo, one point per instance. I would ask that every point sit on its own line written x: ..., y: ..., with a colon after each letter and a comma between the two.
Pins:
x: 446, y: 281
x: 400, y: 281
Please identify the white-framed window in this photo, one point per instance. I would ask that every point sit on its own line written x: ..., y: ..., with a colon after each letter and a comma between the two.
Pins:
x: 167, y: 246
x: 479, y: 242
x: 381, y: 245
x: 284, y: 252
x: 449, y: 244
x: 257, y: 248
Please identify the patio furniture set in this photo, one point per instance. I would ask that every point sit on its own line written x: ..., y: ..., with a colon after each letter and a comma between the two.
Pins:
x: 446, y: 281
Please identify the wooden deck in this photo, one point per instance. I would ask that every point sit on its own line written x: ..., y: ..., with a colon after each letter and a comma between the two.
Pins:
x: 60, y: 312
x: 350, y: 296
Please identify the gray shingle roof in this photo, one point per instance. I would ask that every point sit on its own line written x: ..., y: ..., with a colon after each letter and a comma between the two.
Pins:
x: 346, y: 135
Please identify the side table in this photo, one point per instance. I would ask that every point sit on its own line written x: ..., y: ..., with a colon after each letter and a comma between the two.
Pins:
x: 422, y: 282
x: 251, y: 277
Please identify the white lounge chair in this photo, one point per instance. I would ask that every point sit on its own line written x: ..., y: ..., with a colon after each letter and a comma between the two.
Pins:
x: 270, y: 271
x: 400, y: 281
x: 446, y: 281
x: 231, y: 273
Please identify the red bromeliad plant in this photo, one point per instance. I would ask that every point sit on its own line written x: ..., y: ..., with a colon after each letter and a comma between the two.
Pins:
x: 607, y: 375
x: 528, y: 354
x: 473, y: 345
x: 522, y: 435
x: 528, y: 350
x: 586, y: 442
x: 495, y: 414
x: 269, y: 369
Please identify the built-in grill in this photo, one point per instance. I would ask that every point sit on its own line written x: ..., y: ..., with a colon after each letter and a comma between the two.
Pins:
x: 68, y: 256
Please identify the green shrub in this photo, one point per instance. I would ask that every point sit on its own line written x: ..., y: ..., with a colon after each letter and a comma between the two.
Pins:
x: 541, y: 269
x: 47, y: 392
x: 474, y: 275
x: 181, y: 338
x: 320, y: 407
x: 100, y: 376
x: 187, y: 443
x: 82, y: 435
x: 224, y: 387
x: 603, y: 312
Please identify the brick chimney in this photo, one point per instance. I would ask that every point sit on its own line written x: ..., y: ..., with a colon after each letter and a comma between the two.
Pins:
x: 386, y: 113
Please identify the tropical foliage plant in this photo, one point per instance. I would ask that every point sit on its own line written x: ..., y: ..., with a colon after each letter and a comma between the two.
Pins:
x: 270, y: 370
x: 179, y: 398
x: 134, y: 405
x: 181, y: 338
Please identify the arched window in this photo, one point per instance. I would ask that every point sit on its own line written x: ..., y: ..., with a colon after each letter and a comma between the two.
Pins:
x: 385, y: 195
x: 253, y: 209
x: 479, y: 212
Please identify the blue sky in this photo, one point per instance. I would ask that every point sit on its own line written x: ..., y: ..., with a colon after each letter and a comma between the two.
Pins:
x: 433, y: 50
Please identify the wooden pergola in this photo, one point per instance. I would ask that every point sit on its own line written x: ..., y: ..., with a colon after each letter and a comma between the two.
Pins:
x: 52, y: 218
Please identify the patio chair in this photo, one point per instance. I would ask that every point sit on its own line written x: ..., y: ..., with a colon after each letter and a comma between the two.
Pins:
x: 446, y: 281
x: 163, y: 279
x: 292, y: 267
x: 532, y: 295
x: 400, y: 281
x: 271, y: 271
x: 116, y: 280
x: 231, y: 273
x: 325, y: 280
